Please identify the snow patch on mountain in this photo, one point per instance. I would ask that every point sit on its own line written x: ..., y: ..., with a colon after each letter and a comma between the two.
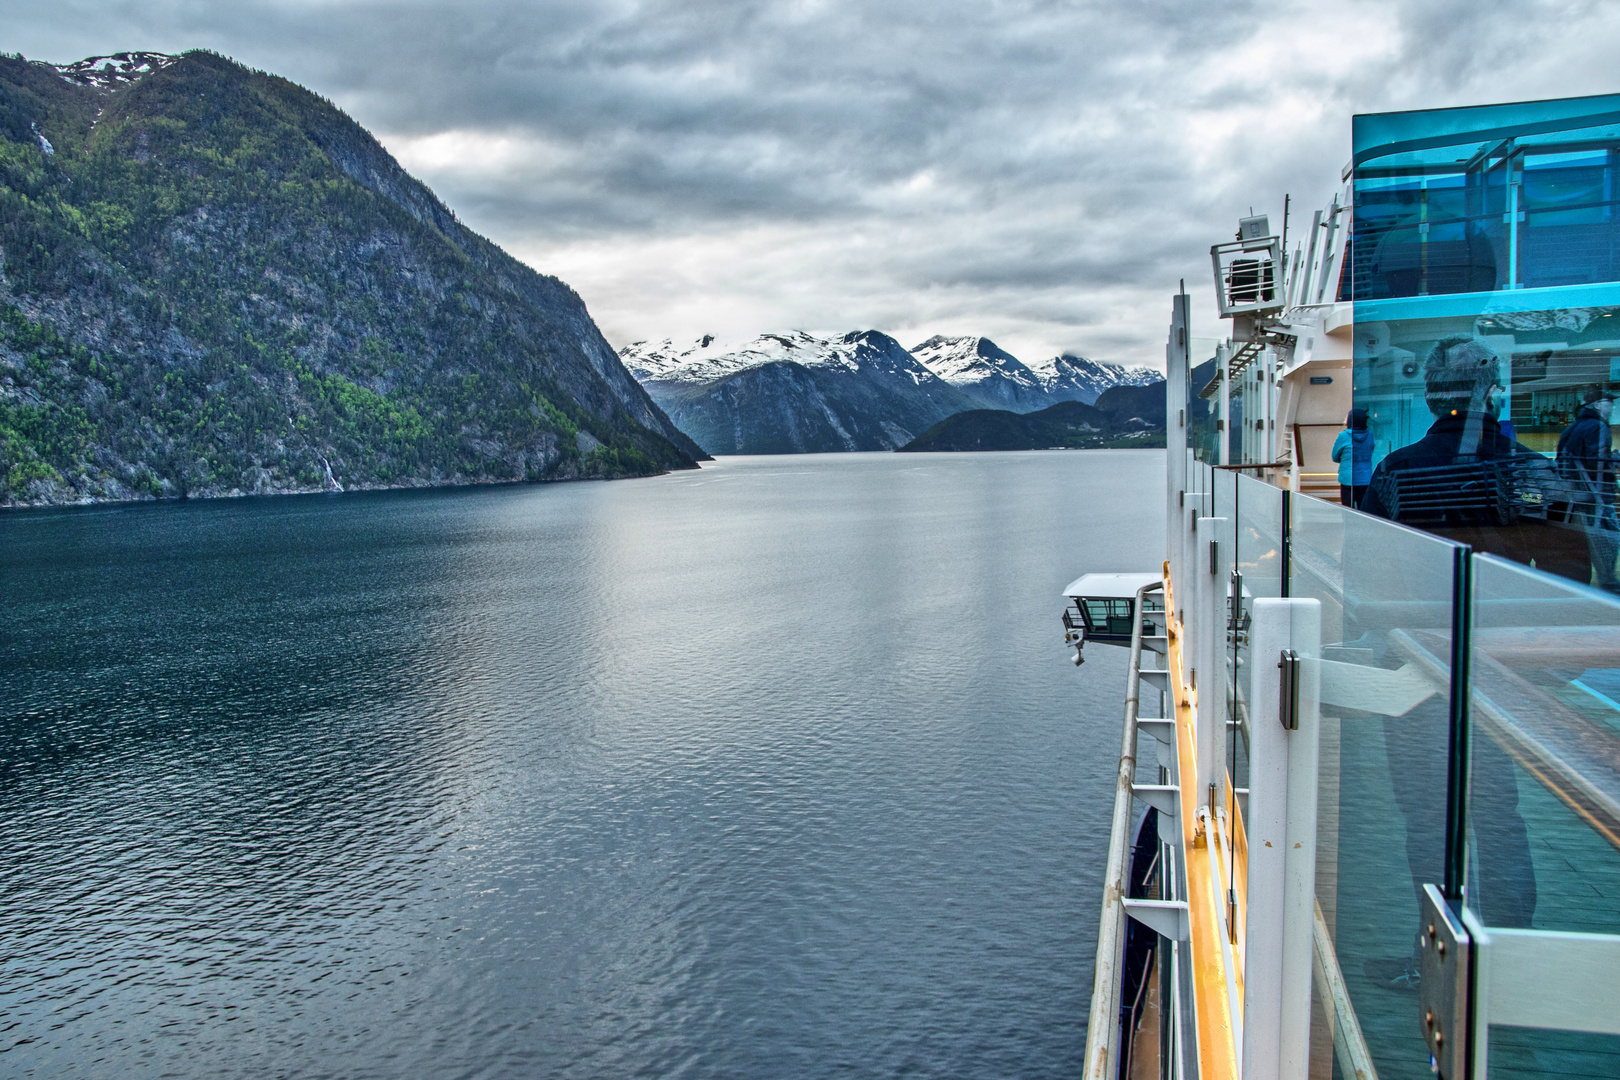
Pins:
x: 794, y: 393
x: 709, y: 359
x: 971, y: 361
x: 117, y: 69
x: 985, y: 372
x: 1075, y: 378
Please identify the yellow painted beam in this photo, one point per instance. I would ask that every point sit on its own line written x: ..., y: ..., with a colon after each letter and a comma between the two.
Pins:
x: 1213, y: 990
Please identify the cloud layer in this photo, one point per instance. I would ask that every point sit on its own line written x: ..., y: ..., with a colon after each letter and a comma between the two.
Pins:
x: 1040, y: 171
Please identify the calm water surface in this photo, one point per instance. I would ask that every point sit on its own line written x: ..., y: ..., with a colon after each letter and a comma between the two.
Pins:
x: 778, y: 769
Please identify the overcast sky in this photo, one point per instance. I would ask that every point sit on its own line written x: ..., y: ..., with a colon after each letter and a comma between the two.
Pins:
x: 1039, y: 172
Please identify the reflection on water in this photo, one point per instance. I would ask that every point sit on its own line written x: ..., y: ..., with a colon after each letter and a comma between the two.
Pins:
x: 778, y: 768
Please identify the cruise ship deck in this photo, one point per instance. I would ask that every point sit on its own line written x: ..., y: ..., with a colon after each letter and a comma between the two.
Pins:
x: 1368, y: 816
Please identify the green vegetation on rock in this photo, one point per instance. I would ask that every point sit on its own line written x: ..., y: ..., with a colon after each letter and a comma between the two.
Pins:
x: 213, y: 281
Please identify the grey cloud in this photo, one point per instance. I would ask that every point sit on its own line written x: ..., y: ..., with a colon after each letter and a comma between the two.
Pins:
x: 1019, y: 161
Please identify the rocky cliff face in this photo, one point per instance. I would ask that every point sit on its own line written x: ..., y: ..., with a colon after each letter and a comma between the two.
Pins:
x: 795, y: 393
x: 214, y: 282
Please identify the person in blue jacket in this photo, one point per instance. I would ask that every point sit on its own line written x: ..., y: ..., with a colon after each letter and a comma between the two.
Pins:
x: 1353, y: 451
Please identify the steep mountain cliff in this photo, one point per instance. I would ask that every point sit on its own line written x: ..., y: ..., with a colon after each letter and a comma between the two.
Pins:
x: 213, y: 281
x: 794, y: 393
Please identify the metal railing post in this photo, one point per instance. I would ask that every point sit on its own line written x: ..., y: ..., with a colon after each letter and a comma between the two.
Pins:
x: 1223, y: 422
x: 1183, y: 575
x: 1175, y: 395
x: 1209, y: 574
x: 1284, y: 734
x: 1102, y: 1051
x: 1462, y: 621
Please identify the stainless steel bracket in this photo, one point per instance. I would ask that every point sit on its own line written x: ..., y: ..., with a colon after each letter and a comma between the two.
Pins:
x: 1443, y: 995
x: 1288, y: 689
x: 1166, y: 917
x: 1475, y: 976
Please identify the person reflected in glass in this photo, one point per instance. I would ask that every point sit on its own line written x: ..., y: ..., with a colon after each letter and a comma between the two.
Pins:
x: 1586, y: 464
x: 1462, y: 384
x: 1353, y: 451
x: 1467, y: 480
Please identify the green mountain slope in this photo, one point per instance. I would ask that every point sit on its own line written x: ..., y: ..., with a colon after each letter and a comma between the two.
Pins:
x: 1123, y: 416
x: 213, y: 281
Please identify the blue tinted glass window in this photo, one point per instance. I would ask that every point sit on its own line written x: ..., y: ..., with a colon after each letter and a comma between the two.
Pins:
x: 1488, y: 198
x: 1488, y: 238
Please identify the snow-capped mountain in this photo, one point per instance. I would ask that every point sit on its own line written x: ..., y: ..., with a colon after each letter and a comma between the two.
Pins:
x: 797, y: 392
x: 992, y: 377
x: 1074, y: 378
x: 707, y: 358
x: 794, y: 392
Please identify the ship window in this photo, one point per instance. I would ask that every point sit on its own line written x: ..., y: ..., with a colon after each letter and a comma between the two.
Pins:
x: 1110, y: 617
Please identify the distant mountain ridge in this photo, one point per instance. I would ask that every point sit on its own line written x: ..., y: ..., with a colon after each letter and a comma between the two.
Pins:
x: 214, y: 282
x: 794, y: 393
x: 799, y: 393
x: 1123, y: 416
x: 1074, y: 378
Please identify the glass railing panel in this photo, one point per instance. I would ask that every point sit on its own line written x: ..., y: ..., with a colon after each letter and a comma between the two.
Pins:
x: 1201, y: 434
x: 1203, y: 478
x: 1259, y: 538
x: 1225, y: 506
x: 1544, y: 797
x: 1518, y: 1053
x: 1386, y: 594
x: 1544, y: 791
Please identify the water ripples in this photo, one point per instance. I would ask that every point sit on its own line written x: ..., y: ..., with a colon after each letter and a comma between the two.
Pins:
x: 773, y: 769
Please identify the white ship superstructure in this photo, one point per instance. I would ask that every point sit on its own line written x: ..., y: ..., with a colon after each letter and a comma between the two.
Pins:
x: 1368, y: 814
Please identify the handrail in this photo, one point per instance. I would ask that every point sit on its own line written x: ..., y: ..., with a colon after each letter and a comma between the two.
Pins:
x: 1102, y: 1051
x: 1349, y: 1044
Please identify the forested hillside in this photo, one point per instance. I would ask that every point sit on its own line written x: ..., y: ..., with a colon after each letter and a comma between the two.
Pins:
x: 1124, y: 416
x: 213, y: 281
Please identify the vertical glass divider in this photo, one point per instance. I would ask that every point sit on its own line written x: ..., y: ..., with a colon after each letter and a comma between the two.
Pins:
x: 1458, y: 749
x: 1287, y: 540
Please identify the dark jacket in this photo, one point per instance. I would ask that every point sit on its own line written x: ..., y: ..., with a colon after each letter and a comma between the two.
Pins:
x: 1583, y: 453
x: 1463, y: 472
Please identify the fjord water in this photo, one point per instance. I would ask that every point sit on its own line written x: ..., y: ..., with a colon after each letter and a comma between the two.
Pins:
x: 779, y: 768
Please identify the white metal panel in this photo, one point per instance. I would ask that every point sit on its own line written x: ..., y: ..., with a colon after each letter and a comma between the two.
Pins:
x: 1110, y: 586
x: 1281, y: 828
x: 1375, y: 690
x: 1209, y: 578
x: 1554, y: 979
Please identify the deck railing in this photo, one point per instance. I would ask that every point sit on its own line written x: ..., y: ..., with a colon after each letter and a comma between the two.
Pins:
x: 1469, y: 740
